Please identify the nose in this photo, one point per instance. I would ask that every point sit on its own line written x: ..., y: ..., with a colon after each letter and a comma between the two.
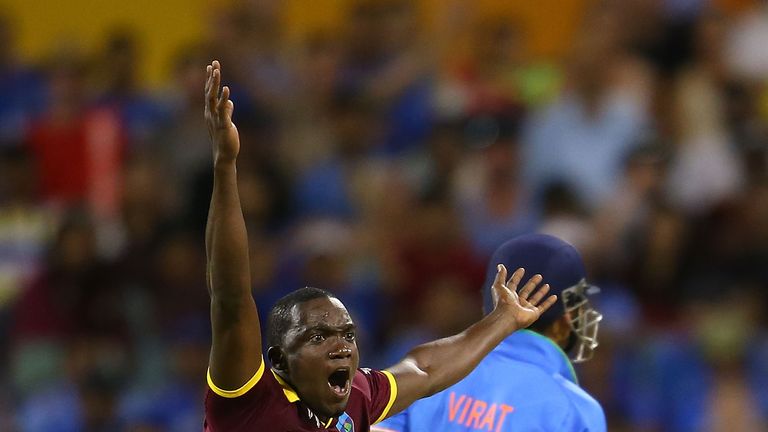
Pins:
x: 340, y: 352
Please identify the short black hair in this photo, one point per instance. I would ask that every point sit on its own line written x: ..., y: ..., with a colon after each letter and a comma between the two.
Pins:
x: 280, y: 319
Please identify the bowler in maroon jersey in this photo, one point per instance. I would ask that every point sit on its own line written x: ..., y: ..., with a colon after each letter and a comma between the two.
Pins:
x: 314, y: 382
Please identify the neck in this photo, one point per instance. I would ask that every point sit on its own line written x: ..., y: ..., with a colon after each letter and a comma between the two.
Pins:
x: 306, y: 411
x: 313, y: 416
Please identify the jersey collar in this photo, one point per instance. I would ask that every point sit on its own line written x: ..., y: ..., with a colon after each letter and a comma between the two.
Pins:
x: 305, y: 412
x: 531, y: 347
x: 289, y: 393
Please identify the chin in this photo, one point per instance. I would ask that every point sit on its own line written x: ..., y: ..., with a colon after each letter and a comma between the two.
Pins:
x: 337, y: 409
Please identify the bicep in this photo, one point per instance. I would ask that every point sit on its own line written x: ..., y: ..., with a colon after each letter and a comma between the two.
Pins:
x: 236, y: 344
x: 412, y: 384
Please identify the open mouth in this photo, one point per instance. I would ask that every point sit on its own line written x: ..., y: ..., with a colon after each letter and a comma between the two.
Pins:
x: 339, y: 382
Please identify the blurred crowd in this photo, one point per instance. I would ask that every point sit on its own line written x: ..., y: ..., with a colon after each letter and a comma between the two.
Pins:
x: 385, y: 162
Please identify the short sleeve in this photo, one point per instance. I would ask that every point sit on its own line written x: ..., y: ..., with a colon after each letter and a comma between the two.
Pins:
x: 231, y: 394
x: 231, y: 409
x: 381, y: 390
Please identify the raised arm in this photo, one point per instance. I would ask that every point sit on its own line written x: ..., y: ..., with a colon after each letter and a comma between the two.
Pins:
x: 236, y: 345
x: 434, y: 366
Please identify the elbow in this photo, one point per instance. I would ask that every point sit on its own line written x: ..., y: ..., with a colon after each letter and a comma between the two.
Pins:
x: 428, y: 375
x: 226, y: 306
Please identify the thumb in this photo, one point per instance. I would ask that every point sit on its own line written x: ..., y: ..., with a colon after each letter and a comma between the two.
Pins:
x: 498, y: 283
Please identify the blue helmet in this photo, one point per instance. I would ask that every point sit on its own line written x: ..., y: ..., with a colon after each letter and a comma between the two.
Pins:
x: 561, y: 266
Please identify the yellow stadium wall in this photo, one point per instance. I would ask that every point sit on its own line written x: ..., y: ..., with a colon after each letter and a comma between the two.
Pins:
x: 551, y: 22
x: 165, y: 25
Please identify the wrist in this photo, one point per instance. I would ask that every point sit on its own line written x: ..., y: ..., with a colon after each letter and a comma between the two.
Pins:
x: 224, y: 163
x: 504, y: 319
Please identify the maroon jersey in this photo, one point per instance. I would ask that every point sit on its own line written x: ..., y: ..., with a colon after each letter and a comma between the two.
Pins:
x: 267, y: 404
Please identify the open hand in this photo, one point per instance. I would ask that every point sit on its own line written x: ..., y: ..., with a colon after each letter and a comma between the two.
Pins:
x: 521, y: 307
x: 218, y: 116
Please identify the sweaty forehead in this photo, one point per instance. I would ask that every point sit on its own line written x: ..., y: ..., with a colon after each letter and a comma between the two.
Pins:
x: 327, y: 311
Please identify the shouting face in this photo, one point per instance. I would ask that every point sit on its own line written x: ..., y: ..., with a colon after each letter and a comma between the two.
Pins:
x: 320, y: 354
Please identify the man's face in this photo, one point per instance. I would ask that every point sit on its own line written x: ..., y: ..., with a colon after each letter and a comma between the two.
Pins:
x: 321, y: 354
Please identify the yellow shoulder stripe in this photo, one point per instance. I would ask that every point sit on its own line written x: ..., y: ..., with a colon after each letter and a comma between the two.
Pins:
x: 392, y: 395
x: 242, y: 390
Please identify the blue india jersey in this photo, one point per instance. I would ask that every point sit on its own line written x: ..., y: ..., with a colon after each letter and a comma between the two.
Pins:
x: 526, y: 384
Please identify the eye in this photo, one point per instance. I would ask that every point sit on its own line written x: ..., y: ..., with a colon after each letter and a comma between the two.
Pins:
x: 349, y: 336
x: 317, y: 338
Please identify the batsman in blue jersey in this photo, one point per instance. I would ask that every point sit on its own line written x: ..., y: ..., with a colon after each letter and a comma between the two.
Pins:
x: 527, y: 383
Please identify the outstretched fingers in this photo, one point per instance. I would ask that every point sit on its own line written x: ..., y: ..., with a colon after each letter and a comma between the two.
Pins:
x: 208, y: 74
x: 547, y: 304
x: 212, y: 86
x: 529, y: 286
x: 224, y: 95
x: 501, y: 275
x: 539, y: 295
x: 515, y: 279
x: 225, y: 105
x: 498, y: 288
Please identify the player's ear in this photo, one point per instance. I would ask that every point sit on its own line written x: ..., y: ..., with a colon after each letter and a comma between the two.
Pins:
x: 277, y: 358
x: 562, y: 330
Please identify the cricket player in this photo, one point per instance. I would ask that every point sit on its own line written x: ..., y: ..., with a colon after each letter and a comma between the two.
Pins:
x: 312, y: 381
x: 527, y: 383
